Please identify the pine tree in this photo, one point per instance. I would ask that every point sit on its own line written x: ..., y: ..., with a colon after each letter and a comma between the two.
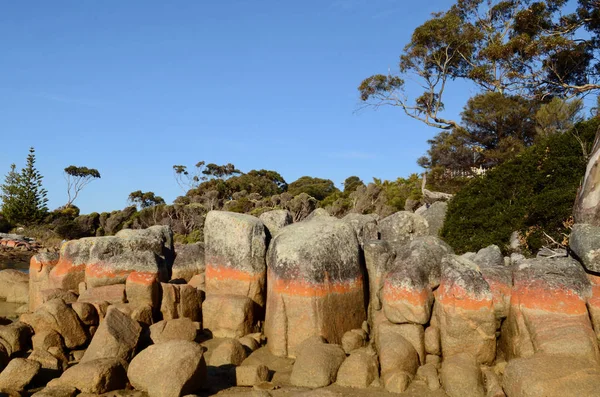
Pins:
x: 24, y: 199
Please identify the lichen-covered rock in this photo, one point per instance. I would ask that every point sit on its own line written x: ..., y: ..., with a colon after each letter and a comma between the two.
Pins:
x: 189, y: 261
x: 315, y: 284
x: 317, y: 365
x: 435, y: 216
x: 464, y: 309
x: 544, y: 375
x: 276, y: 220
x: 109, y: 260
x: 98, y: 376
x: 379, y: 257
x: 408, y: 289
x: 585, y: 243
x: 403, y: 226
x: 149, y: 369
x: 116, y: 337
x: 229, y: 316
x: 489, y: 256
x: 235, y: 246
x: 365, y: 227
x: 548, y: 312
x: 143, y: 288
x: 58, y: 293
x: 40, y: 267
x: 499, y: 278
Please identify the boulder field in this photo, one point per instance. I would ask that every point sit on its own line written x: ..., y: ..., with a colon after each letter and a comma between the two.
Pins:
x: 356, y: 306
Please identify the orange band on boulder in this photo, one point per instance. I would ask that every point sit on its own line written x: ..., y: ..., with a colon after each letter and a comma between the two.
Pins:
x: 308, y: 289
x: 461, y: 298
x: 219, y: 272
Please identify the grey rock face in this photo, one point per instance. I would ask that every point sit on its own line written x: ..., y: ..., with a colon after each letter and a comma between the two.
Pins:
x: 435, y: 216
x: 585, y: 243
x: 275, y: 220
x: 403, y: 226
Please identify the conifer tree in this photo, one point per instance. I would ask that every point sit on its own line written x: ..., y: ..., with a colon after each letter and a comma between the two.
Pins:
x: 24, y: 199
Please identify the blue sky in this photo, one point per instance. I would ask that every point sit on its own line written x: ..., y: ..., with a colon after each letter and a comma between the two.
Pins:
x: 133, y: 87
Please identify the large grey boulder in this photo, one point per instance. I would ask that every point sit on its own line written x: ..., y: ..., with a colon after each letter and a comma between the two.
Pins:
x: 585, y: 243
x: 315, y: 284
x: 170, y: 369
x: 379, y: 258
x: 109, y: 260
x: 464, y: 309
x: 364, y: 225
x: 189, y: 261
x: 275, y: 220
x: 489, y: 256
x: 235, y: 246
x: 403, y: 226
x: 435, y: 216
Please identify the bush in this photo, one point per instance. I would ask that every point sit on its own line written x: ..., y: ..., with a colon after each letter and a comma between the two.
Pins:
x: 532, y: 194
x: 5, y: 226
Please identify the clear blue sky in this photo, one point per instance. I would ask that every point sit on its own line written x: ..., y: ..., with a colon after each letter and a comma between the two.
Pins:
x: 133, y: 87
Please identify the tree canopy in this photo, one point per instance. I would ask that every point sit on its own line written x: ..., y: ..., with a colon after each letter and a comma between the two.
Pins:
x: 77, y: 179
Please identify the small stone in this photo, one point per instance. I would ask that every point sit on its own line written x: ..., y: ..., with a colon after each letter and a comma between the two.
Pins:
x: 229, y: 352
x: 250, y: 375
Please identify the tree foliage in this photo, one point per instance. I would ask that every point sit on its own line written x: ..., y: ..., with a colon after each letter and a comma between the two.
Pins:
x: 533, y: 194
x: 315, y: 187
x: 77, y: 179
x: 144, y: 199
x: 24, y: 199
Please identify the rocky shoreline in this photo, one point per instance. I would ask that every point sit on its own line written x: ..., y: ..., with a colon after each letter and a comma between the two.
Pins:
x: 357, y: 306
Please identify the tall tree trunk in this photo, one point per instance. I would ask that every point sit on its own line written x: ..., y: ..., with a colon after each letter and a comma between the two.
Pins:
x: 587, y: 205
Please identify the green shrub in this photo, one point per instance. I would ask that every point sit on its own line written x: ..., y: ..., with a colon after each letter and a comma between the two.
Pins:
x: 532, y: 194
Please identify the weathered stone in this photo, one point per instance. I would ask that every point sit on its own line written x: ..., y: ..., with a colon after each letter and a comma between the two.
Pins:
x: 57, y: 391
x: 176, y: 329
x: 317, y: 365
x: 499, y: 278
x: 112, y: 294
x: 317, y: 213
x: 395, y: 350
x: 229, y: 316
x: 275, y: 220
x: 18, y: 374
x: 48, y: 361
x: 198, y: 282
x: 593, y: 304
x: 403, y: 226
x: 46, y: 339
x: 189, y: 261
x: 407, y: 294
x: 315, y: 284
x: 235, y: 246
x: 379, y: 257
x: 249, y: 343
x: 143, y: 289
x: 544, y: 375
x: 16, y: 337
x: 98, y: 376
x: 359, y: 369
x: 250, y: 375
x: 109, y: 260
x: 429, y: 374
x: 140, y: 313
x: 435, y: 216
x: 58, y: 316
x: 354, y: 339
x: 365, y: 227
x: 228, y: 352
x: 116, y: 337
x: 548, y: 312
x: 465, y: 311
x: 14, y: 286
x: 180, y: 300
x: 585, y: 243
x: 396, y: 380
x: 489, y: 256
x: 432, y: 340
x: 148, y: 369
x: 86, y: 312
x: 461, y: 376
x: 492, y: 383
